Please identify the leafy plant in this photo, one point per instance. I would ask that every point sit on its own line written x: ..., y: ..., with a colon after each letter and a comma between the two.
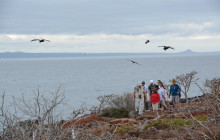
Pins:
x: 115, y: 113
x: 176, y: 123
x: 124, y: 129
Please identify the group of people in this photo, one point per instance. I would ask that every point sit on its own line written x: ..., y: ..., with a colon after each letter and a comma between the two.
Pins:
x: 155, y: 96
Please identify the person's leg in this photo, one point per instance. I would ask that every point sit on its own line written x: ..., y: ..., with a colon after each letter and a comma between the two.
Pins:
x: 160, y: 103
x: 163, y: 104
x: 177, y: 99
x: 141, y: 107
x: 146, y: 104
x: 157, y: 106
x: 173, y: 101
x: 137, y: 104
x: 153, y: 107
x: 167, y: 104
x: 149, y: 104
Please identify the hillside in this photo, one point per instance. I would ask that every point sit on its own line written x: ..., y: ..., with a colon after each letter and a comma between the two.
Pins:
x: 60, y: 55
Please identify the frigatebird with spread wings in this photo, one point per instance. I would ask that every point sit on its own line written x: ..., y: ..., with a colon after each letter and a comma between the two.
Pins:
x: 166, y: 47
x: 40, y: 40
x: 134, y: 62
x: 147, y: 41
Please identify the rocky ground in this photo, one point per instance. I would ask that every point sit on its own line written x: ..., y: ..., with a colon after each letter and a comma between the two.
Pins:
x: 198, y: 121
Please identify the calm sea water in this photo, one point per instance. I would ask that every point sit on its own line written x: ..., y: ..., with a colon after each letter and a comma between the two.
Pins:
x: 84, y: 79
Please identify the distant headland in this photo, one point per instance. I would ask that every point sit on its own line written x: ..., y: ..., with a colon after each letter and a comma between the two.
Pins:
x: 64, y: 55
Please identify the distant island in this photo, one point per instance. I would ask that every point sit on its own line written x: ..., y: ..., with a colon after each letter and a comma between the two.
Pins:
x: 65, y: 55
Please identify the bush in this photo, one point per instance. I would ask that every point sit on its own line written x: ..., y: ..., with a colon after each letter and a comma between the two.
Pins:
x: 115, y: 113
x: 124, y: 129
x: 176, y: 123
x: 117, y: 101
x: 123, y: 101
x: 213, y: 85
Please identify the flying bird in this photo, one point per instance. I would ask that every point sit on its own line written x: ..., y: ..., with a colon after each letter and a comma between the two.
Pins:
x: 166, y: 47
x: 40, y: 40
x: 147, y: 41
x: 133, y: 62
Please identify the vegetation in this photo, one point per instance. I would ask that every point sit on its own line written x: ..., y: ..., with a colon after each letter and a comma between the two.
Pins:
x: 176, y: 123
x: 115, y: 113
x: 39, y: 118
x: 186, y: 80
x: 124, y: 129
x: 115, y: 105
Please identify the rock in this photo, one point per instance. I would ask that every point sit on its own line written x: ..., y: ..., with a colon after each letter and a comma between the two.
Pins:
x: 123, y: 121
x: 69, y: 124
x: 134, y: 133
x: 133, y: 114
x: 149, y: 134
x: 116, y: 121
x: 88, y: 119
x: 179, y: 115
x: 152, y: 116
x: 182, y: 100
x: 96, y: 131
x: 133, y: 121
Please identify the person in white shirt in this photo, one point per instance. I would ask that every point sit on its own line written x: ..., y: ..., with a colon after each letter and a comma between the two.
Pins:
x: 138, y: 97
x: 162, y: 93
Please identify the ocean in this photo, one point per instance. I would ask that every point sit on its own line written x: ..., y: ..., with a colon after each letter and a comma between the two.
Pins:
x: 85, y: 78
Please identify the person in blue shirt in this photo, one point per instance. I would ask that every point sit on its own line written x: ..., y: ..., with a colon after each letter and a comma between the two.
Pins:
x: 175, y: 92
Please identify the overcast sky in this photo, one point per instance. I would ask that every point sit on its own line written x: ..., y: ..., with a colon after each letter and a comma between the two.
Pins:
x: 109, y: 25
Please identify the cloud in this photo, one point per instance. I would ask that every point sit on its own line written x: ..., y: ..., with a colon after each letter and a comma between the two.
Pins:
x: 192, y: 26
x: 107, y: 43
x: 205, y: 37
x: 112, y: 17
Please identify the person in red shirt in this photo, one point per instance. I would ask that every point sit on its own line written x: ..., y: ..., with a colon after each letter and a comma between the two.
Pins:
x: 155, y: 98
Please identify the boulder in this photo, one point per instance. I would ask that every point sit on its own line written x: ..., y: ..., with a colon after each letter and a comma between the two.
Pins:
x: 96, y: 131
x: 152, y: 116
x: 123, y: 121
x: 88, y: 119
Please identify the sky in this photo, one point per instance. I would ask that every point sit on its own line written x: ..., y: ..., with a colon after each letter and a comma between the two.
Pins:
x: 109, y: 26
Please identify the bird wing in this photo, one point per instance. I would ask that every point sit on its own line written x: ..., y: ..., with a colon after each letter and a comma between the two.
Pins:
x: 147, y: 41
x: 171, y: 48
x: 47, y: 40
x: 161, y: 46
x: 35, y: 40
x: 138, y: 63
x: 133, y: 62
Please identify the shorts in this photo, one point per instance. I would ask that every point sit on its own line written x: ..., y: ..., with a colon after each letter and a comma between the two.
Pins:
x: 175, y: 99
x: 155, y: 106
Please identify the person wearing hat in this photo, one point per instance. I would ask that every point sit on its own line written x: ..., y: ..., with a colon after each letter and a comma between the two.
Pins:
x: 147, y: 97
x: 138, y: 97
x: 175, y: 92
x: 151, y: 87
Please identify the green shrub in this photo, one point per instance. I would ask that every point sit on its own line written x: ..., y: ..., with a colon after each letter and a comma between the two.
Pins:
x: 117, y: 101
x: 115, y: 113
x: 124, y: 129
x: 176, y: 123
x: 202, y: 118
